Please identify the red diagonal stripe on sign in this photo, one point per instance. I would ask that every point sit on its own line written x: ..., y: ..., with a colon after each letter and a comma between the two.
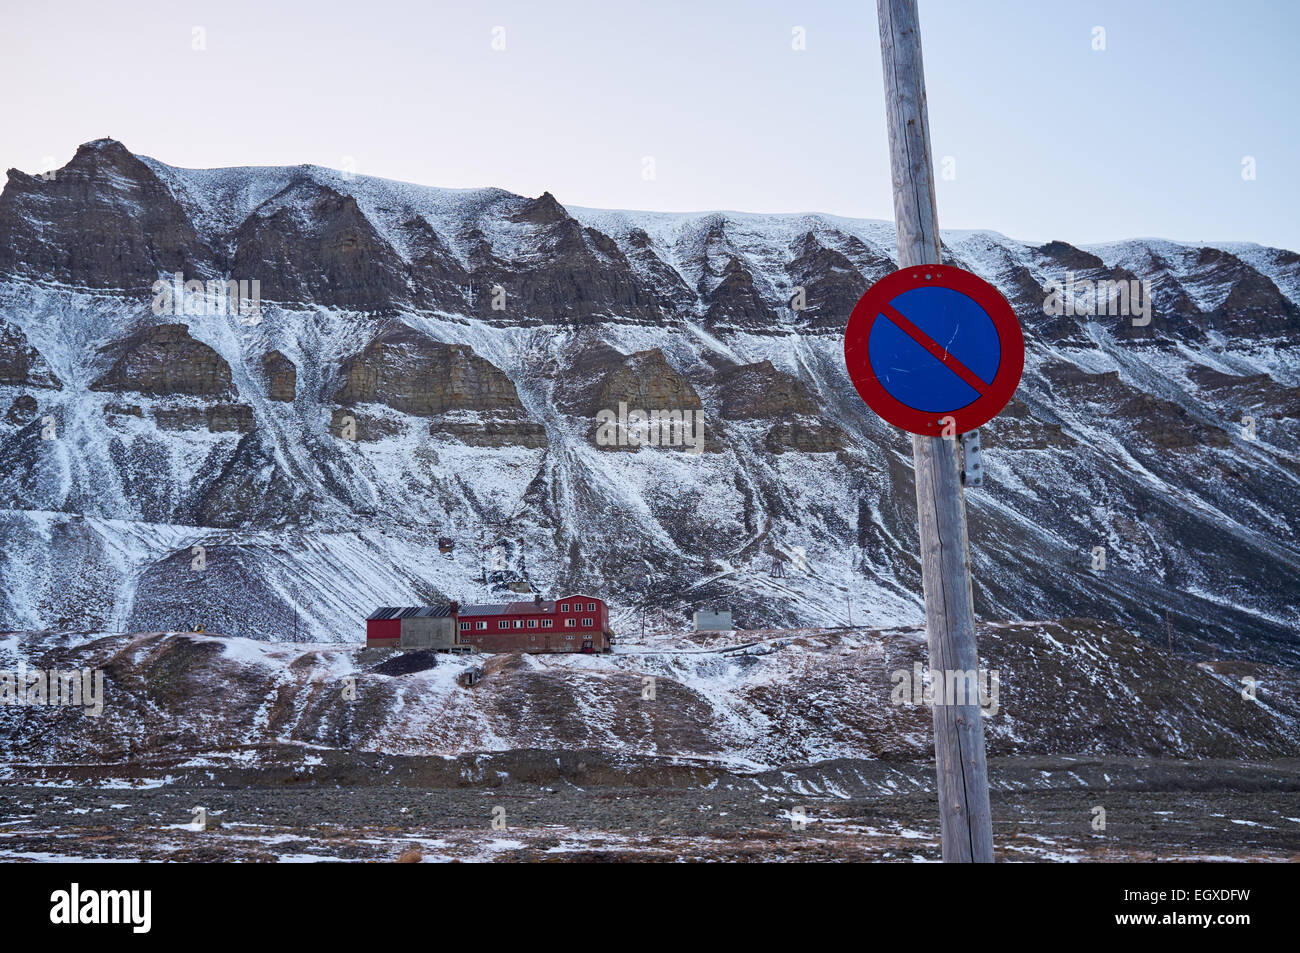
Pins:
x: 927, y: 342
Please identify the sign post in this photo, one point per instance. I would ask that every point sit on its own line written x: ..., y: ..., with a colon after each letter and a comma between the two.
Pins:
x: 966, y: 824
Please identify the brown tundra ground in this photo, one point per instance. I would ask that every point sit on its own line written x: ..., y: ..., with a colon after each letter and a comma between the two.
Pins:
x: 774, y: 746
x: 1043, y: 810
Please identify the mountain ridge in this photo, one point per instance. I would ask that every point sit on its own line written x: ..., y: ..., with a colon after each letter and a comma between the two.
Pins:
x: 1138, y: 431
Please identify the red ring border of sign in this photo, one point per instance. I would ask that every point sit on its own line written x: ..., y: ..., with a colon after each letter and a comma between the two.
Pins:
x: 867, y: 311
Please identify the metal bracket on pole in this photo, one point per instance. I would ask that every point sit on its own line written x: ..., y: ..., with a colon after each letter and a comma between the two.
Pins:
x: 972, y: 472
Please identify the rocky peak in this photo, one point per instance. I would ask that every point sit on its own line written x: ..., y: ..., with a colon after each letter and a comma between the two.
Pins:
x: 1067, y: 256
x: 543, y: 210
x: 830, y: 282
x: 311, y: 243
x: 1254, y: 306
x: 673, y: 295
x: 103, y: 221
x: 735, y: 303
x: 20, y: 363
x: 559, y: 278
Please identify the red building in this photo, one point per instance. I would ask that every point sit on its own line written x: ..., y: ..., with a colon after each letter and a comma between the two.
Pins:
x: 576, y: 623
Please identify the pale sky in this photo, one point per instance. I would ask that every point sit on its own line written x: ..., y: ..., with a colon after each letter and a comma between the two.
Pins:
x: 1049, y: 137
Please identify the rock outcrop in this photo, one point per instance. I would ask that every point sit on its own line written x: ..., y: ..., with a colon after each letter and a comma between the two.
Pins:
x: 1164, y: 423
x: 1065, y: 255
x: 760, y: 392
x: 563, y: 273
x: 755, y: 391
x: 805, y: 435
x: 441, y: 281
x: 281, y: 377
x: 645, y: 380
x: 414, y: 374
x: 1254, y: 307
x: 1249, y: 392
x: 22, y: 410
x: 735, y: 304
x: 830, y: 283
x: 218, y: 418
x: 165, y: 360
x: 601, y: 378
x: 102, y: 221
x: 1016, y: 428
x: 311, y: 243
x: 20, y: 363
x: 417, y: 375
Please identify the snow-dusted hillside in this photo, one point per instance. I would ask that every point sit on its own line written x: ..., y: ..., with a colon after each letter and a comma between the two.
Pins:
x: 781, y: 698
x: 475, y: 422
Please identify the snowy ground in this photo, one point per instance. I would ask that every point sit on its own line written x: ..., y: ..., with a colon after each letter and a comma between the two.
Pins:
x: 1184, y: 812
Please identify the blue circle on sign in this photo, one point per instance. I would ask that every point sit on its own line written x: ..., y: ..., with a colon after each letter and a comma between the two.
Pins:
x: 914, y: 376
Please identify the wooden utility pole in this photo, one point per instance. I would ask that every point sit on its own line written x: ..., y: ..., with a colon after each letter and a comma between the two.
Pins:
x: 967, y: 827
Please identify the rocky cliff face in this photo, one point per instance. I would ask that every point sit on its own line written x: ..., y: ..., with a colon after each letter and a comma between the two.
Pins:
x: 281, y: 377
x: 20, y: 363
x: 565, y: 274
x: 758, y: 390
x: 102, y: 221
x: 416, y: 375
x: 430, y: 363
x: 310, y: 243
x: 832, y: 283
x: 466, y: 396
x: 165, y: 359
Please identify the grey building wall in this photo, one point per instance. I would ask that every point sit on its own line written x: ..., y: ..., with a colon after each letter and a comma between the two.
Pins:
x: 709, y: 620
x: 428, y: 633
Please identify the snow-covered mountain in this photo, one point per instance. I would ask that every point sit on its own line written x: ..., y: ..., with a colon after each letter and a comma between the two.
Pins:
x: 430, y: 363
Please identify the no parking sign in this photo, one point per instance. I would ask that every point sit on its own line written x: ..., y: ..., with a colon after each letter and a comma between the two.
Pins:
x: 931, y: 342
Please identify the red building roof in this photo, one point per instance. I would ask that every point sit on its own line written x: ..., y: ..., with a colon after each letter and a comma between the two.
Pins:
x: 520, y: 607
